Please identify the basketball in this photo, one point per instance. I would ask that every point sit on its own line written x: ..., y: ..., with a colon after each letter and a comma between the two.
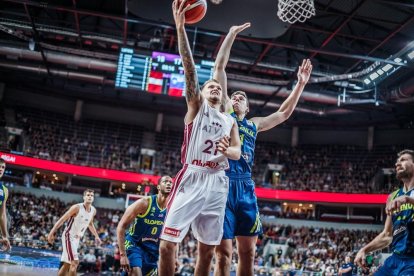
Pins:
x: 197, y: 12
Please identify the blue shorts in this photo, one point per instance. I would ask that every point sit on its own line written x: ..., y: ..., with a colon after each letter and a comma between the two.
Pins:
x: 242, y: 213
x: 140, y: 257
x: 396, y: 266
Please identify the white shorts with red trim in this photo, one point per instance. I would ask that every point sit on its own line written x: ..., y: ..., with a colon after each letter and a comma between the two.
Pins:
x: 198, y: 199
x: 70, y: 246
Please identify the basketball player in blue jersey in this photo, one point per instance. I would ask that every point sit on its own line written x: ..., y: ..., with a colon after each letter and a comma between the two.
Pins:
x: 399, y: 224
x: 139, y: 249
x: 4, y: 194
x: 242, y: 214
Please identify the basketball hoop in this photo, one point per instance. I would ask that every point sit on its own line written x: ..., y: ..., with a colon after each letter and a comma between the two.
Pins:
x: 292, y: 11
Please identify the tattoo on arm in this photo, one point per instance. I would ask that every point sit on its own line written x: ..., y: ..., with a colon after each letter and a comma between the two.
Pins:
x: 191, y: 79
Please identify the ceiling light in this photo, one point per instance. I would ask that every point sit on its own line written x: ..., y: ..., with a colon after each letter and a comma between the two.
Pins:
x: 387, y: 67
x: 397, y: 59
x: 367, y: 81
x: 380, y: 72
x: 411, y: 54
x: 373, y: 76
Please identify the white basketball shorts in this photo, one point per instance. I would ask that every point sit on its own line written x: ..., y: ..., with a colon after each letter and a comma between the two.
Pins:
x: 70, y: 248
x: 198, y: 199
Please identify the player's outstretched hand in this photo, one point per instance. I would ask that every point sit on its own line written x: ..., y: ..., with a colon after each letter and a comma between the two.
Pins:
x: 239, y: 28
x: 305, y: 71
x: 125, y: 264
x: 5, y: 244
x: 360, y: 258
x: 51, y: 238
x: 179, y: 10
x: 223, y: 144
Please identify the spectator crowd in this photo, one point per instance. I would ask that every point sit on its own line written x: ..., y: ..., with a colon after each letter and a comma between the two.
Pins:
x: 318, y: 250
x: 329, y: 168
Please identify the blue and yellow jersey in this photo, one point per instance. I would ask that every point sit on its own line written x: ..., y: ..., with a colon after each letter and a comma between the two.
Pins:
x: 403, y: 226
x: 146, y: 228
x: 3, y: 194
x: 248, y: 134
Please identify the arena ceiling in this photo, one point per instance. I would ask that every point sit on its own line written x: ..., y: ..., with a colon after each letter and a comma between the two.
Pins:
x: 348, y: 42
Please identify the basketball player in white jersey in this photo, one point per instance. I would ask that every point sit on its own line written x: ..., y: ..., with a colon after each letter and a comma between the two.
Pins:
x: 79, y: 217
x: 200, y: 190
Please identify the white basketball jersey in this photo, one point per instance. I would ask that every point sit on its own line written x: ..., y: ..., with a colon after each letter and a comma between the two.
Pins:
x: 200, y: 138
x: 77, y: 225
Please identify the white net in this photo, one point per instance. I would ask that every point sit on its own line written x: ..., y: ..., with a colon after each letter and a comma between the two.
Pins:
x: 292, y: 11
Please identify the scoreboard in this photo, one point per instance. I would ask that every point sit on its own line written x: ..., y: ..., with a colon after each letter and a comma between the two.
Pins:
x: 160, y: 73
x: 132, y: 70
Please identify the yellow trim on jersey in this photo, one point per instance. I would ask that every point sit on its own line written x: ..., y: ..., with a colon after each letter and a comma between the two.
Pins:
x: 148, y: 209
x: 128, y: 244
x: 156, y: 201
x: 257, y: 224
x: 237, y: 118
x: 132, y: 228
x: 394, y: 194
x: 5, y: 194
x: 152, y: 272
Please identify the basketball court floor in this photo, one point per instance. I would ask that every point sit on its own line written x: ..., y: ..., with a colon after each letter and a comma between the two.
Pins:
x: 19, y: 270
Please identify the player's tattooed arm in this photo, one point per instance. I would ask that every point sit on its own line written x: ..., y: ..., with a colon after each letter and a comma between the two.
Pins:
x: 192, y: 92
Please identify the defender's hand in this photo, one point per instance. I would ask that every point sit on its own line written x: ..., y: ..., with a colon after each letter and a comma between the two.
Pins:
x: 304, y: 71
x: 239, y: 28
x: 223, y: 144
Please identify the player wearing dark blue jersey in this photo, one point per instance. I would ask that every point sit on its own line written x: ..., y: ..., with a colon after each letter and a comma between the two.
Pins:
x: 145, y: 218
x: 4, y: 241
x: 242, y: 214
x: 399, y: 225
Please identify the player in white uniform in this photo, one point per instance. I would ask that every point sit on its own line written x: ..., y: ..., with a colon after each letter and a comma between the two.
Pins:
x: 200, y: 190
x: 79, y: 217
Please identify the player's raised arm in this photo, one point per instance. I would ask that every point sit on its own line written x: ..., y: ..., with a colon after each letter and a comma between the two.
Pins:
x: 138, y: 207
x: 222, y: 60
x: 287, y: 107
x: 192, y: 91
x: 73, y: 211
